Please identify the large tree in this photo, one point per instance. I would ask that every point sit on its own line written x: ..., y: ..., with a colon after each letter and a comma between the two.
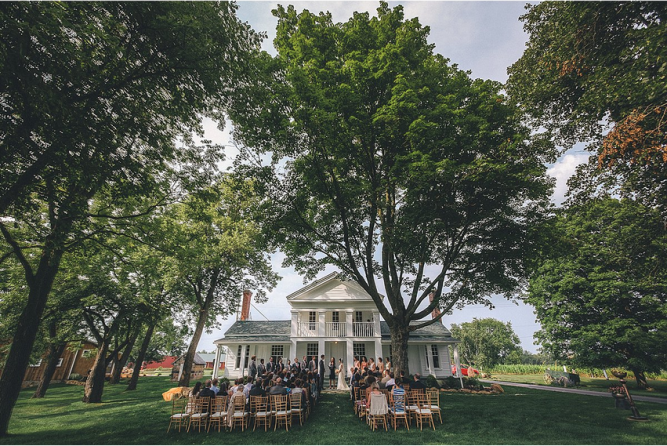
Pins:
x: 486, y: 342
x: 597, y: 72
x: 600, y: 293
x: 94, y: 95
x: 392, y: 165
x: 216, y: 249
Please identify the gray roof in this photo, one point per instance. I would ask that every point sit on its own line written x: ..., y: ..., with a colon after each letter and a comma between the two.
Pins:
x: 258, y: 331
x: 210, y: 357
x: 279, y: 331
x: 197, y: 359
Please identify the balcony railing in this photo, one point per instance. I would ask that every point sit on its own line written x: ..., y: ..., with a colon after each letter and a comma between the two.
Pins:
x: 308, y: 329
x: 336, y: 329
x: 363, y: 329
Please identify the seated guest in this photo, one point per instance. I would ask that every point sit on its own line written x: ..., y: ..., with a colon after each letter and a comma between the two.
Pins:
x: 224, y: 388
x: 278, y: 388
x: 214, y: 385
x: 257, y: 390
x: 403, y: 379
x: 390, y: 383
x: 196, y: 389
x: 417, y: 384
x: 398, y: 389
x: 206, y: 391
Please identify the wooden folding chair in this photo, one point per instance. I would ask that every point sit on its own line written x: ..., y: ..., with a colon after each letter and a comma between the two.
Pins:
x: 434, y: 402
x: 199, y: 415
x: 295, y: 407
x: 238, y: 413
x: 279, y: 408
x: 412, y: 403
x: 423, y: 412
x: 262, y: 414
x: 377, y: 412
x: 218, y: 412
x: 179, y: 414
x: 397, y: 410
x: 357, y: 399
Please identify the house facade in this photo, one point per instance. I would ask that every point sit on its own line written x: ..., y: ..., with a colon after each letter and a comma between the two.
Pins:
x: 337, y: 318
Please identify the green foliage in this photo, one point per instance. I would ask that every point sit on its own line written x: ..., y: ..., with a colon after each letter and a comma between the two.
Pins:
x: 75, y: 377
x: 451, y: 383
x: 431, y: 381
x: 600, y: 294
x: 472, y: 383
x: 486, y: 342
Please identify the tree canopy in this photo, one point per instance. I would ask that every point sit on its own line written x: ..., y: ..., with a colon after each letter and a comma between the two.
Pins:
x: 600, y: 293
x: 486, y: 342
x: 392, y: 165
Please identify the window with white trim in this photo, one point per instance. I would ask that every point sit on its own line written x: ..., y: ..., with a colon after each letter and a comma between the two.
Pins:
x: 312, y: 317
x: 85, y: 354
x: 60, y: 362
x: 428, y: 366
x: 238, y: 357
x: 436, y: 356
x: 358, y: 316
x: 311, y: 349
x: 37, y: 364
x: 277, y: 352
x: 247, y: 356
x: 359, y: 349
x: 335, y: 316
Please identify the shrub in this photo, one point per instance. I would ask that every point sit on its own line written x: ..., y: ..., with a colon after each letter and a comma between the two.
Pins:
x: 451, y: 383
x: 75, y: 377
x: 472, y: 383
x: 431, y: 381
x: 224, y: 379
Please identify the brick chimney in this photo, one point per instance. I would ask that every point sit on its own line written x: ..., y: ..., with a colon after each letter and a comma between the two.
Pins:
x: 245, y: 306
x: 436, y: 311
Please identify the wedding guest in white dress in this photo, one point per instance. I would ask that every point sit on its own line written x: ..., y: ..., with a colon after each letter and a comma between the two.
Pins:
x: 342, y: 385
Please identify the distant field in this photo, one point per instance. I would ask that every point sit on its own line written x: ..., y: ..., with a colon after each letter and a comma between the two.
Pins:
x: 659, y: 386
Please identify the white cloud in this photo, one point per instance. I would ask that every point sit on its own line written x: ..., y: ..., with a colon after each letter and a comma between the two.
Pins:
x: 562, y: 170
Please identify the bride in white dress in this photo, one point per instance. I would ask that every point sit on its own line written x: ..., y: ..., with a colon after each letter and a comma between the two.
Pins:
x: 342, y: 385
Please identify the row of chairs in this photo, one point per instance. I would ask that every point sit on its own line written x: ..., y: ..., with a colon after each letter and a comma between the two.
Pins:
x: 261, y: 411
x: 387, y: 407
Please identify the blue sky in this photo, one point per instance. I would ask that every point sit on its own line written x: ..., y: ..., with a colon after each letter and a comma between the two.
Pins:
x: 483, y: 37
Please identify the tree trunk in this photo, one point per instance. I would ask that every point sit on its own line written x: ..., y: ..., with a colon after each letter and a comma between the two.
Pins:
x: 120, y: 363
x: 92, y: 393
x: 399, y: 348
x: 140, y: 358
x: 192, y: 349
x: 24, y: 337
x: 55, y: 352
x: 640, y: 377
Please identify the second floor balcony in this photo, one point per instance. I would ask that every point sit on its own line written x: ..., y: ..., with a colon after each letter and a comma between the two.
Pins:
x: 336, y: 329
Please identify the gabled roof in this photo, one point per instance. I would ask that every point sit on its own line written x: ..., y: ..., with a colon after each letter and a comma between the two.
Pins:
x: 210, y: 357
x: 314, y: 284
x: 434, y: 332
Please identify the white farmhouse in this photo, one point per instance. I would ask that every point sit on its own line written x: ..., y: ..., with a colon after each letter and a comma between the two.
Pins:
x: 334, y: 317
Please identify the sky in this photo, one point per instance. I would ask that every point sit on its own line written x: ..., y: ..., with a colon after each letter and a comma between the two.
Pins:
x: 483, y: 37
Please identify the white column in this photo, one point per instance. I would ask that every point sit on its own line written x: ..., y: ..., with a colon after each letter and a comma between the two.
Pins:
x: 457, y: 361
x: 350, y: 355
x: 378, y: 349
x: 295, y: 323
x: 320, y: 349
x: 216, y: 363
x: 321, y: 325
x: 292, y: 350
x: 376, y: 325
x: 348, y: 324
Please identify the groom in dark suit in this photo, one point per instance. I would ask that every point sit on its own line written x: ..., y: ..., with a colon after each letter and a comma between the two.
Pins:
x: 320, y: 383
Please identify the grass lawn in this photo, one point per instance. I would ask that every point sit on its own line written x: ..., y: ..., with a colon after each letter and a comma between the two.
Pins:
x: 520, y: 416
x: 596, y: 384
